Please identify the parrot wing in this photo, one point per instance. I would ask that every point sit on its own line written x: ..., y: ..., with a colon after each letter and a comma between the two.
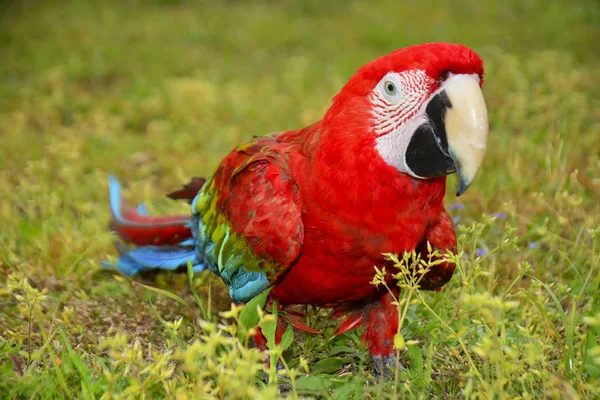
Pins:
x: 249, y: 218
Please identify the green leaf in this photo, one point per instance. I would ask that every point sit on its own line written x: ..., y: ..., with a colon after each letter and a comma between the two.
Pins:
x: 589, y: 363
x: 190, y: 272
x: 165, y: 293
x: 344, y: 391
x: 570, y: 356
x: 329, y: 365
x: 287, y: 338
x: 416, y: 359
x: 60, y: 377
x: 83, y: 371
x: 335, y: 350
x: 7, y: 367
x: 429, y: 365
x: 249, y: 315
x: 268, y: 329
x: 166, y: 326
x: 312, y: 385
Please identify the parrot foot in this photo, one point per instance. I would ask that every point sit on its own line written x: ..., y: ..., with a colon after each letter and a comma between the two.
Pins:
x: 385, y: 366
x: 282, y: 381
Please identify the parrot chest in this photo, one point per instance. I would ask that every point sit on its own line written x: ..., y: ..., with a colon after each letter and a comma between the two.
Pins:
x: 337, y: 264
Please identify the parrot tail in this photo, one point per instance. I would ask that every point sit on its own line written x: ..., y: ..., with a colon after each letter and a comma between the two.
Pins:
x: 162, y: 242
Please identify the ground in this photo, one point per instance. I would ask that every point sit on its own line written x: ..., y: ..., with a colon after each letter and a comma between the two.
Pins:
x: 159, y: 91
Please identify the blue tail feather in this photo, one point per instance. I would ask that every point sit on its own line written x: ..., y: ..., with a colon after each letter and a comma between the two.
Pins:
x: 163, y: 257
x: 146, y: 258
x: 114, y: 190
x: 116, y: 201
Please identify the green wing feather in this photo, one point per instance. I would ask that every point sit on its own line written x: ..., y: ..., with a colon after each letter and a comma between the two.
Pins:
x: 249, y: 226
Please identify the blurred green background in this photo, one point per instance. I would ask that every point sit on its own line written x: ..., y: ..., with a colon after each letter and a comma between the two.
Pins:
x: 182, y: 82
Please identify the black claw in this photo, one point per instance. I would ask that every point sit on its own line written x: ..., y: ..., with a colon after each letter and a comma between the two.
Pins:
x: 284, y: 387
x: 385, y: 366
x: 282, y: 381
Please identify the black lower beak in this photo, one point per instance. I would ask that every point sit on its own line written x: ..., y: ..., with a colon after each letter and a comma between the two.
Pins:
x: 427, y: 154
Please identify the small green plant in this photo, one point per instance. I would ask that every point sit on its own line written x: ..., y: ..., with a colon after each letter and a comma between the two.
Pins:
x: 30, y: 302
x: 215, y: 365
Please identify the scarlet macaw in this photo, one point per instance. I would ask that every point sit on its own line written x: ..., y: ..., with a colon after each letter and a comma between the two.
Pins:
x: 311, y: 211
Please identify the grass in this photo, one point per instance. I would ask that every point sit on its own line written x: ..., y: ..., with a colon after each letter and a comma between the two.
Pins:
x: 159, y: 91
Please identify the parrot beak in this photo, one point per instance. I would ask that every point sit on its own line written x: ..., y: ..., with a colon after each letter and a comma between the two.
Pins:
x: 466, y: 123
x: 453, y: 137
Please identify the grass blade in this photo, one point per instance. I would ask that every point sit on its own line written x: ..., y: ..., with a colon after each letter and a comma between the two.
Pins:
x: 165, y: 293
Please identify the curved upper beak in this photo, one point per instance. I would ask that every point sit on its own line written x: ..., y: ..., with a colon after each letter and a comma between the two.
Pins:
x: 467, y: 127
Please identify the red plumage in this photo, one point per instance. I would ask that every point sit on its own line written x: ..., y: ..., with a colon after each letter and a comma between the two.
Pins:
x: 258, y: 195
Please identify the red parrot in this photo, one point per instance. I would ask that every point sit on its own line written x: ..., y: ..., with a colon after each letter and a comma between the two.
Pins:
x: 310, y: 212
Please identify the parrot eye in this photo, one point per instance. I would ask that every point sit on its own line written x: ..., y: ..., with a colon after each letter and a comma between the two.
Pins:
x: 390, y: 88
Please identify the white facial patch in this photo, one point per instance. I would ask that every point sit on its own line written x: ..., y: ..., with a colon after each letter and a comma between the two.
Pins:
x: 392, y: 147
x: 398, y: 113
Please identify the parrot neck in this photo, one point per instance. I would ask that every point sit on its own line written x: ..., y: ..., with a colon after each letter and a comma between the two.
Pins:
x: 346, y: 169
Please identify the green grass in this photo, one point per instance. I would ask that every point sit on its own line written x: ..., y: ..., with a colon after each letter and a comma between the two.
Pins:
x: 159, y: 91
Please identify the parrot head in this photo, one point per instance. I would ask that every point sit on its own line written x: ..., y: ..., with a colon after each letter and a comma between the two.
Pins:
x: 421, y: 108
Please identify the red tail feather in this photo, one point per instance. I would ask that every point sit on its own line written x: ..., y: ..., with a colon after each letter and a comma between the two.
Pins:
x: 146, y: 230
x: 350, y: 322
x: 137, y: 227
